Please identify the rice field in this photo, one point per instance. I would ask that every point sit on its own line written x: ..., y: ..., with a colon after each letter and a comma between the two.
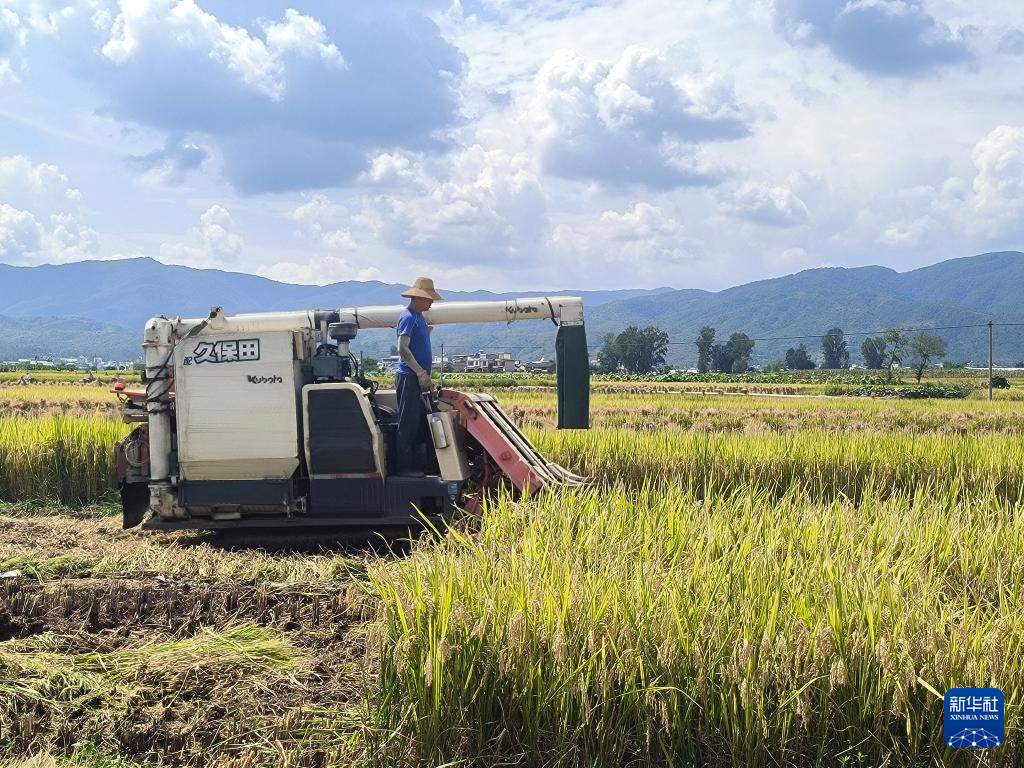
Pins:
x: 59, y: 458
x: 612, y: 628
x: 653, y: 412
x: 753, y: 581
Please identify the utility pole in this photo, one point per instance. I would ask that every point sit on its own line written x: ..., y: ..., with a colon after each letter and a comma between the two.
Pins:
x: 989, y: 359
x: 440, y: 383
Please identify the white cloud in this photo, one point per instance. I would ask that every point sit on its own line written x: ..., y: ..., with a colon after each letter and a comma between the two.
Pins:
x: 20, y: 234
x: 302, y: 35
x: 47, y: 17
x: 214, y: 232
x: 338, y: 240
x: 23, y: 240
x: 999, y: 184
x: 315, y: 211
x: 320, y: 271
x: 476, y: 205
x: 213, y: 243
x: 988, y: 208
x: 295, y: 103
x: 634, y: 120
x: 257, y: 62
x: 11, y: 31
x: 642, y: 240
x: 40, y: 214
x: 12, y: 35
x: 908, y: 234
x: 68, y: 240
x: 794, y: 259
x: 7, y: 75
x: 765, y: 204
x: 321, y: 218
x: 27, y: 182
x: 392, y: 168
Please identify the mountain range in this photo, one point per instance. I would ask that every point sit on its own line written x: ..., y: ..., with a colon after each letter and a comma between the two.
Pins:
x: 99, y: 308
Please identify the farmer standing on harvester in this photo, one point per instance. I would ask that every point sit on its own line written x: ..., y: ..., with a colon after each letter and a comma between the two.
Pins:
x: 412, y: 376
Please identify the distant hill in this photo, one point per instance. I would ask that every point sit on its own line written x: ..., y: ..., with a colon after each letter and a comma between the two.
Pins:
x: 965, y: 291
x: 123, y: 294
x: 65, y: 337
x: 128, y: 292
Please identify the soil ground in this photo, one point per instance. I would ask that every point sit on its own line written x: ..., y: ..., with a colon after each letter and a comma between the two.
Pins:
x: 74, y: 590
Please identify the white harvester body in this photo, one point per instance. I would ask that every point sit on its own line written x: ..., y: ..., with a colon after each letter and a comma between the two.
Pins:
x: 261, y: 419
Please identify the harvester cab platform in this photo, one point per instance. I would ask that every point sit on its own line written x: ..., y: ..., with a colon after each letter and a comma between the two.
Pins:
x: 266, y: 421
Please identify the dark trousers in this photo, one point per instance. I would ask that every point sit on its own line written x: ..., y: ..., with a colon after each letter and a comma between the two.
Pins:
x: 412, y: 420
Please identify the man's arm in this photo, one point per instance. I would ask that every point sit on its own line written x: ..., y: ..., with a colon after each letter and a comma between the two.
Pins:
x: 406, y: 354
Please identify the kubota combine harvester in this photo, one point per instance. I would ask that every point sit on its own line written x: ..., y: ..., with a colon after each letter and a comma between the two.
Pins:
x: 265, y: 420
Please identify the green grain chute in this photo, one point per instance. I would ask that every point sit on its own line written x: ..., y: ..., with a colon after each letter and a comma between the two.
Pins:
x: 572, y: 368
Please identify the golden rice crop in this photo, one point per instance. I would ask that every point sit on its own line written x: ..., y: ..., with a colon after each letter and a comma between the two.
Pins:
x: 615, y: 628
x: 57, y: 393
x: 58, y: 458
x: 705, y: 413
x: 69, y: 458
x: 44, y: 400
x: 823, y: 465
x: 14, y: 378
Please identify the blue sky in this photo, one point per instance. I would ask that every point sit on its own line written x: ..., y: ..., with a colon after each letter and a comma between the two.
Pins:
x: 511, y: 144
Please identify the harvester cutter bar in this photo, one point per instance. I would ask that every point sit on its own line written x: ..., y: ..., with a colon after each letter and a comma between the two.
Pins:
x: 507, y: 446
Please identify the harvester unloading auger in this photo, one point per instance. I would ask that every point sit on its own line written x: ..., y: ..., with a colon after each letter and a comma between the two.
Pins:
x: 264, y: 420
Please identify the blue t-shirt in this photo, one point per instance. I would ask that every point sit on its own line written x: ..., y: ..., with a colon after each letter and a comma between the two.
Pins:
x: 414, y: 325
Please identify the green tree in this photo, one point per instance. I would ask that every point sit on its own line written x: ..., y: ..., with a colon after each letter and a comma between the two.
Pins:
x: 705, y: 342
x: 642, y: 349
x: 873, y: 350
x: 797, y: 359
x: 608, y: 357
x: 895, y: 343
x: 834, y: 352
x: 924, y: 348
x: 720, y: 360
x: 737, y: 352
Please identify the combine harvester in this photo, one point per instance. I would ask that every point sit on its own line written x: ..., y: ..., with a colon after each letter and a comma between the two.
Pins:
x: 264, y: 420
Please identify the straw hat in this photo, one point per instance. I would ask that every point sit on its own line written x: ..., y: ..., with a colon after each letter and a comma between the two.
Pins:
x: 423, y: 287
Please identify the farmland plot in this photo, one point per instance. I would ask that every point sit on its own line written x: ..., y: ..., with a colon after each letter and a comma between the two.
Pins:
x: 753, y: 582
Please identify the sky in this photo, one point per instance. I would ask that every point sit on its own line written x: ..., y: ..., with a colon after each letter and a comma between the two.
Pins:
x: 512, y: 144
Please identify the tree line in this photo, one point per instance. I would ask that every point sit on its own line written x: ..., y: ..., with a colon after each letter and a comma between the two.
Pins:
x: 893, y: 348
x: 641, y: 350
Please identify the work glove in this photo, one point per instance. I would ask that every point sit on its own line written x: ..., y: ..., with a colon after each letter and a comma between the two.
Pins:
x: 425, y: 382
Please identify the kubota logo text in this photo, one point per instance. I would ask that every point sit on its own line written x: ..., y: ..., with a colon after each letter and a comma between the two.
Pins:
x: 265, y: 380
